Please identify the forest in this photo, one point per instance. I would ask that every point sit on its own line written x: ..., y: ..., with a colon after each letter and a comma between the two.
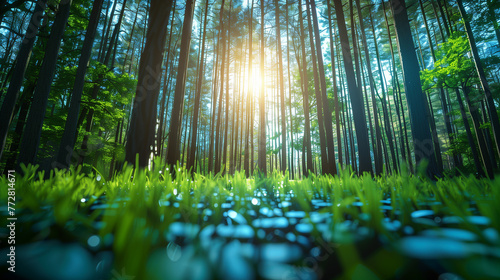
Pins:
x: 250, y: 139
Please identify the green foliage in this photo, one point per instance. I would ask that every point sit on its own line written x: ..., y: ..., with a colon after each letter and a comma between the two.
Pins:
x: 453, y: 68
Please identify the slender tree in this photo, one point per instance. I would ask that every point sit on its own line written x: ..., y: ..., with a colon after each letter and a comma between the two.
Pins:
x: 327, y: 113
x: 307, y: 165
x: 249, y: 124
x: 281, y: 88
x: 68, y: 140
x: 495, y: 123
x: 355, y: 94
x: 334, y: 79
x: 262, y: 100
x: 378, y: 134
x: 141, y: 133
x: 19, y: 70
x: 33, y: 130
x: 173, y: 152
x: 422, y: 138
x: 194, y: 127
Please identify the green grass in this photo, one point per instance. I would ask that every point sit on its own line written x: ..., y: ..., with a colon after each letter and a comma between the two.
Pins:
x: 148, y: 225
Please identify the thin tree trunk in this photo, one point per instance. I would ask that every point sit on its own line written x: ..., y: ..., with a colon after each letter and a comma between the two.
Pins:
x: 249, y: 124
x: 495, y: 123
x: 378, y: 134
x: 214, y: 100
x: 132, y: 29
x: 262, y: 100
x: 487, y: 136
x: 334, y: 80
x: 173, y: 152
x: 227, y: 99
x: 307, y: 163
x: 473, y: 111
x: 141, y: 132
x: 355, y: 94
x: 18, y: 72
x: 33, y: 130
x: 493, y: 18
x: 282, y: 90
x: 317, y: 91
x: 201, y: 71
x: 327, y: 113
x: 470, y: 138
x: 291, y: 153
x: 422, y: 137
x: 219, y: 112
x: 68, y: 140
x: 21, y: 121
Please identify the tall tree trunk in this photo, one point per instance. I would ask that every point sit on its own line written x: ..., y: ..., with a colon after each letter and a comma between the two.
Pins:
x: 495, y: 123
x: 474, y: 113
x: 307, y: 164
x: 33, y: 130
x: 107, y: 27
x: 422, y: 138
x: 432, y: 120
x: 386, y: 106
x: 383, y: 99
x: 262, y: 100
x: 487, y: 136
x: 327, y: 113
x: 19, y: 70
x: 249, y: 124
x: 219, y: 112
x: 67, y: 144
x: 334, y: 80
x: 443, y: 16
x: 227, y: 99
x: 21, y: 121
x: 317, y: 91
x: 104, y: 58
x: 143, y: 122
x: 355, y: 94
x: 493, y: 18
x: 470, y: 138
x: 199, y: 84
x: 173, y: 152
x: 291, y: 153
x: 282, y: 89
x: 378, y: 134
x: 210, y: 164
x: 132, y: 29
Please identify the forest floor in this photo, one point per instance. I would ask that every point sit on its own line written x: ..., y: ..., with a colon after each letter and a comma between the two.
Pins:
x: 146, y: 225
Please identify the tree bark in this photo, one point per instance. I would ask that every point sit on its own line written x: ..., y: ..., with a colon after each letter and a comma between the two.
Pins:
x: 262, y: 100
x: 173, y: 152
x: 33, y: 130
x: 474, y: 113
x: 143, y: 122
x: 495, y: 123
x: 282, y: 90
x: 327, y: 113
x: 378, y: 134
x: 67, y: 144
x: 470, y: 139
x: 19, y: 70
x: 249, y: 124
x: 355, y: 94
x: 201, y: 71
x: 317, y: 91
x: 307, y: 163
x: 422, y: 138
